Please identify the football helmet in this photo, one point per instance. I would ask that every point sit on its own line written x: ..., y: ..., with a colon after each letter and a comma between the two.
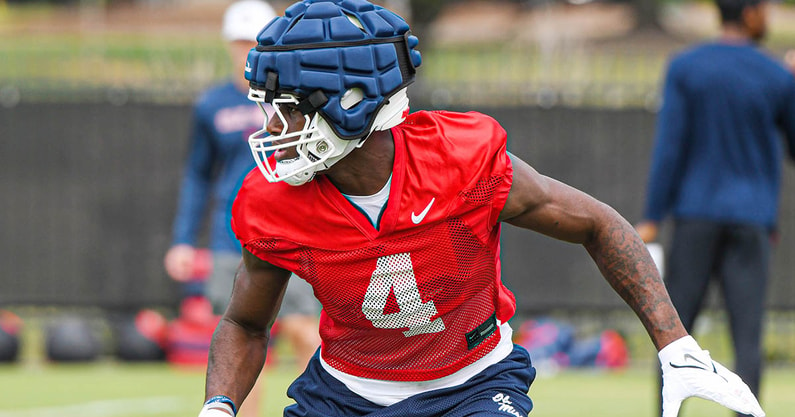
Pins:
x: 345, y: 65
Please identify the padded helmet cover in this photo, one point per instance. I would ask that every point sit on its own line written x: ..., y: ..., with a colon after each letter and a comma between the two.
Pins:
x: 335, y: 46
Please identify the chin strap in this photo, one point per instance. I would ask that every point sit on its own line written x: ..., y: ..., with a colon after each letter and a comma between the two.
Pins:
x: 313, y: 103
x: 271, y: 84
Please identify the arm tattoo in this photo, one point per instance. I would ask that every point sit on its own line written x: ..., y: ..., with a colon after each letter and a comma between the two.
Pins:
x: 625, y: 263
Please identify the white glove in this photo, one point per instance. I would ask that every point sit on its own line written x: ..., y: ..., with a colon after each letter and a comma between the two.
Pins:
x: 689, y: 371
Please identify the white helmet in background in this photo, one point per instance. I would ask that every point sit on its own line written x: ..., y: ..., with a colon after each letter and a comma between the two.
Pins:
x: 244, y: 19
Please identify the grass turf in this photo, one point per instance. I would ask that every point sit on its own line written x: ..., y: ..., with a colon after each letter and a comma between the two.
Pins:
x: 111, y: 389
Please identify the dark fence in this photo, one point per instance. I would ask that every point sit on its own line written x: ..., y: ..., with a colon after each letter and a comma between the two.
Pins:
x: 88, y: 192
x: 606, y: 154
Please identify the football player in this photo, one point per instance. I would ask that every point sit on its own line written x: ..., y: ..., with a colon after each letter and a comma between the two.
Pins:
x: 394, y: 219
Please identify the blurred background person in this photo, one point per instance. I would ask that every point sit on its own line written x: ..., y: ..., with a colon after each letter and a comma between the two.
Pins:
x: 218, y: 159
x: 716, y: 170
x: 789, y: 59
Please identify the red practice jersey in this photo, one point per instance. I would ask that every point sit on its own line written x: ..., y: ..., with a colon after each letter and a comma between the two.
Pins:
x: 417, y: 298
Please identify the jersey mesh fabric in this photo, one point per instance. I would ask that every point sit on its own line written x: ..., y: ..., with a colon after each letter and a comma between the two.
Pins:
x: 398, y: 302
x: 465, y: 293
x: 483, y: 192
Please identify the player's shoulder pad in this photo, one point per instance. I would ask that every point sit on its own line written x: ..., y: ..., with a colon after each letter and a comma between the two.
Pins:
x: 260, y: 204
x: 463, y: 138
x: 455, y: 151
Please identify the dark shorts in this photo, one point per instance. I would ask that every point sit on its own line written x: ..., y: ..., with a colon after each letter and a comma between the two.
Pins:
x: 500, y: 390
x: 298, y: 298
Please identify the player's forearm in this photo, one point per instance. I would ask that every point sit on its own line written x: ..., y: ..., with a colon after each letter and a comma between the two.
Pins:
x: 625, y: 263
x: 235, y: 360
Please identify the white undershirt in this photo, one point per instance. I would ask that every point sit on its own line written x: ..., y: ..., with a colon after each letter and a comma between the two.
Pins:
x: 386, y: 393
x: 372, y: 205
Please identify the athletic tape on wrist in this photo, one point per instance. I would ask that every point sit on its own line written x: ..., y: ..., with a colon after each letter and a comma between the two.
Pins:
x: 221, y: 400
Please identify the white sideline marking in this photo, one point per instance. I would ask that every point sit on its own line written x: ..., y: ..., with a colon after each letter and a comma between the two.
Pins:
x: 105, y: 408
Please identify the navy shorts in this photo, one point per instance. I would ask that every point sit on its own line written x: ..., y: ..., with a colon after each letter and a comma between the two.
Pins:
x: 500, y: 390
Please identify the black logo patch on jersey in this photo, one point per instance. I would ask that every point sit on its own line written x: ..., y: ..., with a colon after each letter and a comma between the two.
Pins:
x: 482, y: 332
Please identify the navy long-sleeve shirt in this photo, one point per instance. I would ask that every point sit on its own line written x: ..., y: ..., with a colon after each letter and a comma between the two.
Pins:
x: 718, y: 149
x: 218, y: 159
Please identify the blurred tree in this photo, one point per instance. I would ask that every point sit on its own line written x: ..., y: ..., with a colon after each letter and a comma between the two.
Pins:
x: 70, y: 2
x: 423, y: 12
x: 647, y: 13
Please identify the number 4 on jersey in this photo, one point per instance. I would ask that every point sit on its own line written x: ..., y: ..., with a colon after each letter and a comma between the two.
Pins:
x: 396, y: 272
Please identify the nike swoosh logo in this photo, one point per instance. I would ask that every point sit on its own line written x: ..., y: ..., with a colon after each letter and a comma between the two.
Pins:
x: 703, y: 366
x: 416, y: 219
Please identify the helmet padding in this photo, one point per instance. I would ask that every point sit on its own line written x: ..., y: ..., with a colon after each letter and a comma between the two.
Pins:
x: 328, y: 48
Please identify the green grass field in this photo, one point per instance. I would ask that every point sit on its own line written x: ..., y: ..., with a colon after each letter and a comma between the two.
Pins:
x: 33, y: 387
x: 110, y: 389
